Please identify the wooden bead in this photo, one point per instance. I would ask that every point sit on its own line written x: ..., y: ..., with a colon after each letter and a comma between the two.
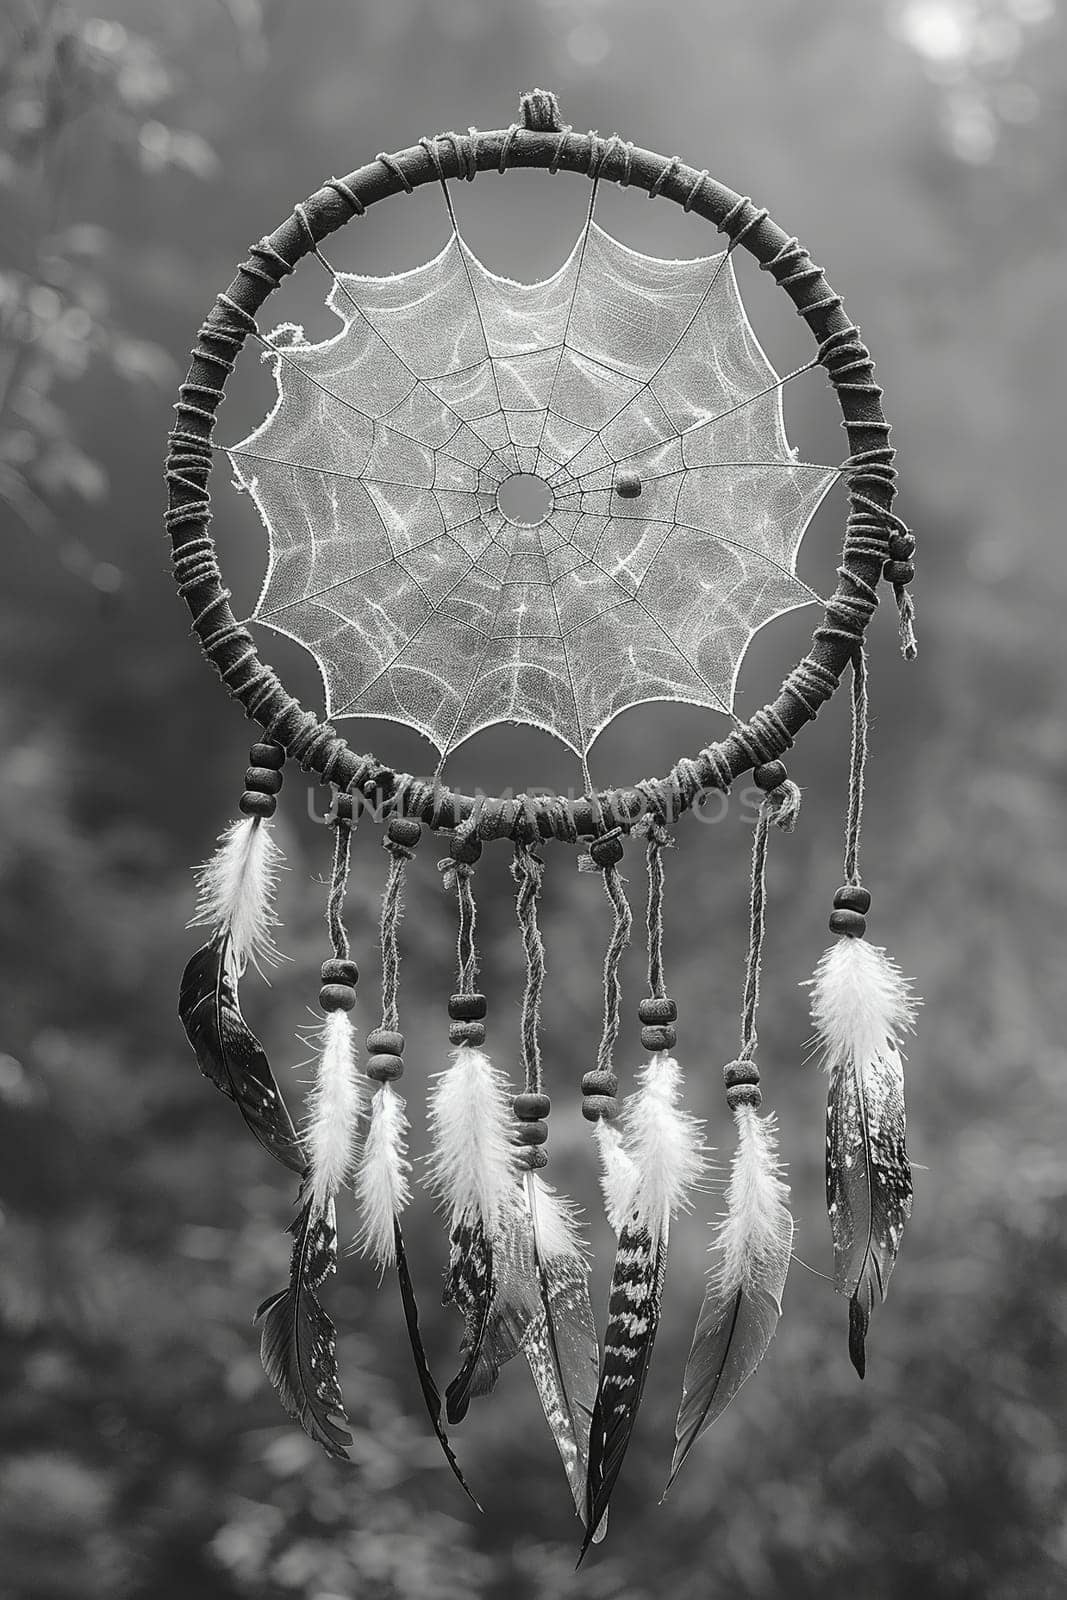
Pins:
x: 406, y: 831
x: 744, y: 1094
x: 898, y: 572
x: 466, y: 1033
x: 661, y: 1037
x: 769, y: 775
x: 848, y: 922
x: 338, y: 971
x: 337, y: 997
x: 267, y: 755
x: 608, y: 850
x: 853, y: 897
x: 595, y: 1106
x: 532, y: 1157
x: 736, y: 1072
x: 263, y: 779
x: 467, y: 1007
x: 254, y: 804
x: 385, y: 1067
x: 901, y: 546
x: 600, y: 1083
x: 628, y: 486
x: 466, y: 848
x: 384, y: 1042
x: 528, y: 1107
x: 533, y: 1132
x: 654, y: 1010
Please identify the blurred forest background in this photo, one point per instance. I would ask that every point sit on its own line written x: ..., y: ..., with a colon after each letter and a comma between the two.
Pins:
x: 918, y: 147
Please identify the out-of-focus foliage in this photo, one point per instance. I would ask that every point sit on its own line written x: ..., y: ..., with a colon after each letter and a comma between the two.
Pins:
x: 916, y: 146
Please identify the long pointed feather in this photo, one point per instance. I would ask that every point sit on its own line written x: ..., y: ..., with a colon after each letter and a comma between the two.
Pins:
x: 430, y: 1392
x: 469, y: 1286
x: 633, y: 1320
x: 228, y: 1052
x: 664, y: 1145
x: 860, y: 1006
x: 298, y: 1345
x: 743, y: 1302
x: 561, y: 1344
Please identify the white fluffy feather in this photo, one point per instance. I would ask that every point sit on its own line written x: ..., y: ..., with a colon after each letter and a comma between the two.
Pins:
x: 757, y: 1230
x: 382, y: 1187
x: 472, y: 1165
x: 663, y: 1142
x: 618, y: 1174
x: 236, y: 890
x: 336, y: 1103
x: 556, y: 1221
x: 859, y: 999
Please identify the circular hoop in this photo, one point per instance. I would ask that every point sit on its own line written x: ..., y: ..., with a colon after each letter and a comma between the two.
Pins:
x: 317, y: 746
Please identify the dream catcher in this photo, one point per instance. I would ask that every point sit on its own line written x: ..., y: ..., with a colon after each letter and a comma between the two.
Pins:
x: 539, y: 504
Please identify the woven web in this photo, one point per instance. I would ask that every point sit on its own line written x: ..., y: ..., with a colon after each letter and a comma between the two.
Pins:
x: 380, y: 475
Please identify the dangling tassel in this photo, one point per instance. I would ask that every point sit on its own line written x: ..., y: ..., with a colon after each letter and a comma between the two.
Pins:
x: 236, y: 892
x: 382, y: 1185
x: 646, y: 1183
x: 860, y: 1007
x: 561, y: 1344
x: 299, y: 1341
x: 754, y: 1240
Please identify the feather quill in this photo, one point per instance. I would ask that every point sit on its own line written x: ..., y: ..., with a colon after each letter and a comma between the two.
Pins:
x: 236, y: 889
x: 743, y: 1301
x: 663, y: 1144
x: 860, y: 1006
x: 299, y: 1341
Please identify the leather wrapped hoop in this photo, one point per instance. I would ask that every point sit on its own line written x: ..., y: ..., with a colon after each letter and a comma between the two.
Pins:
x: 317, y: 746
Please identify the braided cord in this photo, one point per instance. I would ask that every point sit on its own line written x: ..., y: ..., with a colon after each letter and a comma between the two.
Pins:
x: 857, y: 767
x: 620, y: 938
x: 528, y: 870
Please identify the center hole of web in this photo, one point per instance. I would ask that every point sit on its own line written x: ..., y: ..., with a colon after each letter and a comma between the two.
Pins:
x: 525, y: 498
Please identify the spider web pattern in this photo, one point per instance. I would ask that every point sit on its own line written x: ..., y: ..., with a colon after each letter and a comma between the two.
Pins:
x: 377, y: 476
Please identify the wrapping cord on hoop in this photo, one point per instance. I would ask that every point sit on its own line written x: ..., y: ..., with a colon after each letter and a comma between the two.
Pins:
x: 877, y: 542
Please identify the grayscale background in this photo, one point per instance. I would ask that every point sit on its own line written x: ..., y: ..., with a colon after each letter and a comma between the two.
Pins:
x: 918, y: 149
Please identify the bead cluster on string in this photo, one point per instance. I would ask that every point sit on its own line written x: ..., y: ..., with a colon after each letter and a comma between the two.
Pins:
x: 263, y: 780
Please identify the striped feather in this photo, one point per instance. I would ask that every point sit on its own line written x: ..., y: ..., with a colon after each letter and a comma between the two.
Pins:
x: 663, y: 1142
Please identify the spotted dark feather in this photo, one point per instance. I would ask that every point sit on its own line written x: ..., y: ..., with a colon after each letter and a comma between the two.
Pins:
x: 228, y: 1052
x: 299, y: 1342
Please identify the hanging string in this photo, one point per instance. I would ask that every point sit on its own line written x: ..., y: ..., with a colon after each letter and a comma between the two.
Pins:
x: 606, y: 853
x: 857, y: 766
x: 527, y: 869
x: 342, y: 854
x: 466, y: 1008
x: 401, y: 837
x: 658, y: 840
x: 780, y: 806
